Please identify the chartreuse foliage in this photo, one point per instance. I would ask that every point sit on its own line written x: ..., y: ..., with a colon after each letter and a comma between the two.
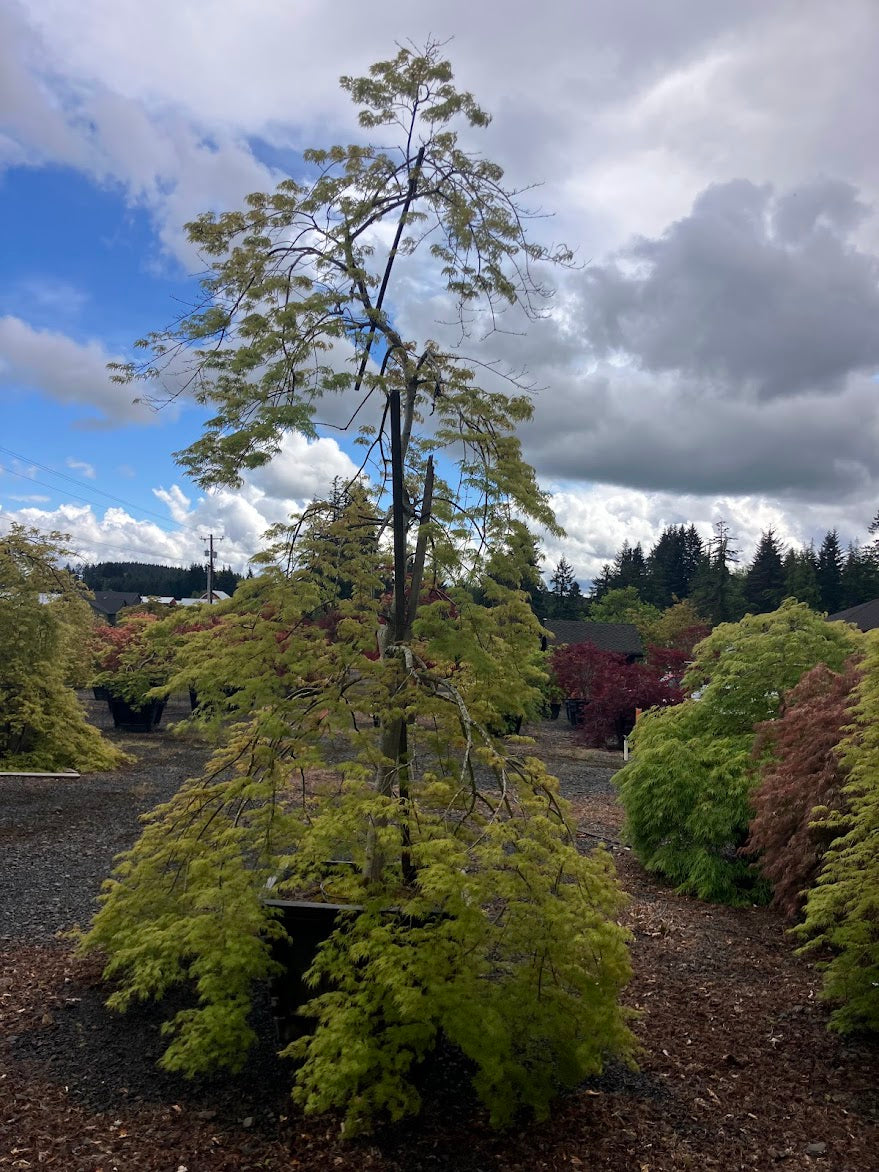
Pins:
x: 686, y: 790
x: 842, y: 909
x: 383, y: 683
x: 43, y: 655
x: 485, y: 923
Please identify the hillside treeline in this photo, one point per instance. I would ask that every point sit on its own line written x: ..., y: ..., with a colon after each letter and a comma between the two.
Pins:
x: 146, y: 578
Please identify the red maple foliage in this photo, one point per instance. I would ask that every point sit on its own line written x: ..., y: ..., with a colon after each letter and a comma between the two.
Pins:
x: 612, y: 688
x: 801, y: 770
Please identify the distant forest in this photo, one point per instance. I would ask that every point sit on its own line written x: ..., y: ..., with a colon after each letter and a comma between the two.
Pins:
x: 166, y: 581
x: 708, y: 573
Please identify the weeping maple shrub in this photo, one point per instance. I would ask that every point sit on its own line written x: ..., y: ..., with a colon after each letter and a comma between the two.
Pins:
x: 841, y: 915
x: 613, y: 689
x: 686, y: 791
x: 472, y: 912
x: 800, y: 770
x: 45, y: 625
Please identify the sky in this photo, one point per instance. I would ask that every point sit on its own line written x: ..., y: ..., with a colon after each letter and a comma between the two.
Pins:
x: 714, y: 353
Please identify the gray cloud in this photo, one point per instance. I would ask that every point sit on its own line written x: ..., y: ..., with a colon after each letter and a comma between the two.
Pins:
x: 753, y: 293
x: 655, y: 433
x: 67, y: 371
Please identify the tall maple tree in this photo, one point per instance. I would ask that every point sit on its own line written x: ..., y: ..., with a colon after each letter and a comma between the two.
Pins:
x: 472, y: 914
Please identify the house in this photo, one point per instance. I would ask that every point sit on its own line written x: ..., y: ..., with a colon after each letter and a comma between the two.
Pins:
x: 107, y: 603
x: 865, y: 615
x: 620, y: 637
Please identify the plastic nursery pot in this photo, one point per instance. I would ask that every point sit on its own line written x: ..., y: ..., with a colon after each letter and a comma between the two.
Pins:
x: 574, y: 711
x: 307, y: 926
x: 554, y: 710
x: 141, y: 719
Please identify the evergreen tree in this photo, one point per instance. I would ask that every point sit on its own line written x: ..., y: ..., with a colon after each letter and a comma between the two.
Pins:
x: 566, y: 599
x: 694, y: 550
x: 601, y: 583
x: 801, y: 576
x: 714, y: 592
x: 830, y: 563
x: 859, y: 581
x: 667, y: 571
x: 764, y: 581
x: 630, y: 568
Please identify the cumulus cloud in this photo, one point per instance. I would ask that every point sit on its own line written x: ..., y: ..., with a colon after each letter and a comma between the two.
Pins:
x: 600, y: 518
x: 753, y: 293
x: 68, y: 371
x: 237, y: 518
x: 720, y: 343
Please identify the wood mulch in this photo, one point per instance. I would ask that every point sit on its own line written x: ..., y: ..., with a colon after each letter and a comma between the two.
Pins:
x: 737, y: 1069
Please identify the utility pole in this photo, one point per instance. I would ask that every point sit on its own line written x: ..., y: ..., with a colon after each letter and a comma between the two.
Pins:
x: 210, y: 554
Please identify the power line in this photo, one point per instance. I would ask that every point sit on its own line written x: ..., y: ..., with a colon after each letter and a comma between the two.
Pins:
x: 75, y: 480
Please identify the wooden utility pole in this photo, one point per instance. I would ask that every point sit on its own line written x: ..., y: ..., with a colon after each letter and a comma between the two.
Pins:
x: 210, y: 555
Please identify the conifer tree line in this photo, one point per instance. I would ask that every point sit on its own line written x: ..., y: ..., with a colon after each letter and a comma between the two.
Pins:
x: 681, y: 565
x: 148, y: 579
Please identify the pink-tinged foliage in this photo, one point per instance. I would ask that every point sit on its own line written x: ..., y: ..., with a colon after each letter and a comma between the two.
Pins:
x: 801, y: 770
x: 613, y: 689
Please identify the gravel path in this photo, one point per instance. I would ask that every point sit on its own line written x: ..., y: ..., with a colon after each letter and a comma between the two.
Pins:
x: 58, y: 838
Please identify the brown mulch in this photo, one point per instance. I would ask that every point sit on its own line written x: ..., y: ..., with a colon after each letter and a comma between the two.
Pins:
x: 737, y: 1071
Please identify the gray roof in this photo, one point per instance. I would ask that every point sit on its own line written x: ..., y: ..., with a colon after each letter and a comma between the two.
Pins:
x: 112, y: 601
x: 621, y: 637
x: 865, y: 615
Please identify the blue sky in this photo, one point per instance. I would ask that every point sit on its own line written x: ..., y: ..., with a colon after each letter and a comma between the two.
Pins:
x: 716, y: 356
x: 77, y: 260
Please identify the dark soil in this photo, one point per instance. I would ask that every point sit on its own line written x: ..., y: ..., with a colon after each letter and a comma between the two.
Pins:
x: 737, y: 1070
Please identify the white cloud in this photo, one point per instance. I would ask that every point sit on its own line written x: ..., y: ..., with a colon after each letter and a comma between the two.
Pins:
x: 626, y: 108
x: 85, y: 469
x: 65, y: 370
x: 237, y: 518
x: 599, y: 518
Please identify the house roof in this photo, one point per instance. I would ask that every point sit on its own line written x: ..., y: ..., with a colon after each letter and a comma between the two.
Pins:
x: 112, y: 601
x: 865, y: 615
x: 620, y: 637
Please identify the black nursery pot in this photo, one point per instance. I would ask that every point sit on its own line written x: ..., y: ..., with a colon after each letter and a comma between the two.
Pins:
x: 307, y: 926
x: 554, y: 710
x: 142, y: 719
x: 574, y: 711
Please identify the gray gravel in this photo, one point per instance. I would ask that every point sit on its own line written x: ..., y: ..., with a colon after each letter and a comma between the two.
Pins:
x: 58, y: 838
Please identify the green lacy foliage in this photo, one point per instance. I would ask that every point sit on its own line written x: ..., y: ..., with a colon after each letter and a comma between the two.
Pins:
x: 482, y: 920
x: 43, y: 652
x: 842, y: 909
x: 354, y: 706
x: 800, y: 770
x: 686, y: 790
x: 624, y: 605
